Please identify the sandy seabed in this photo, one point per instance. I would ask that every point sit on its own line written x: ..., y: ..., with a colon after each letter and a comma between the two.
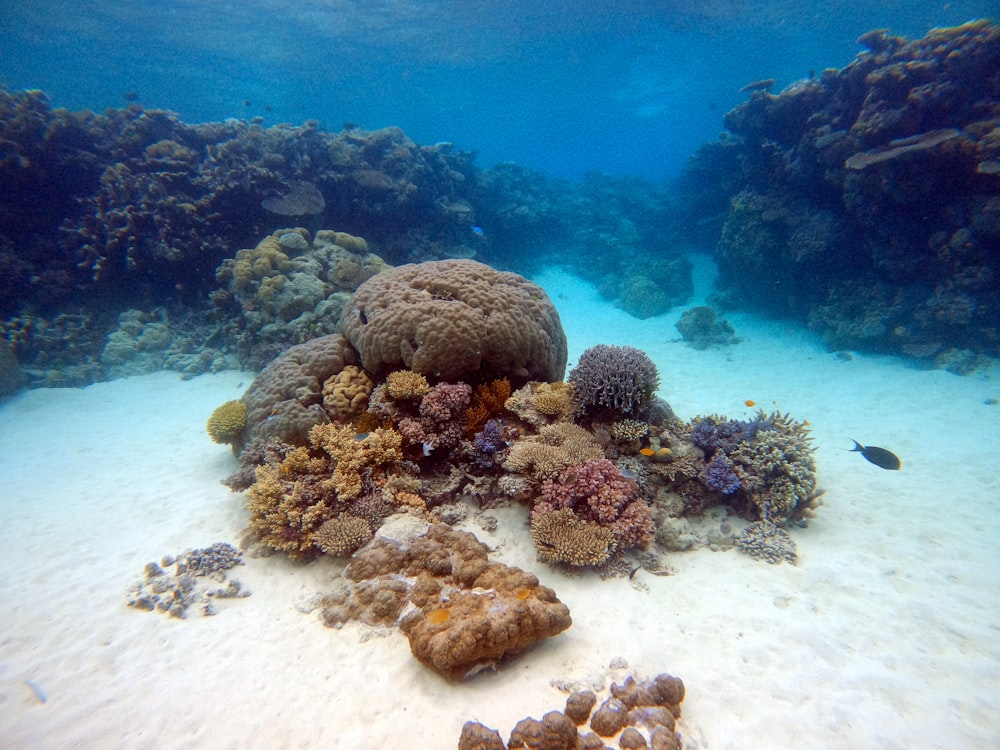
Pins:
x: 885, y: 635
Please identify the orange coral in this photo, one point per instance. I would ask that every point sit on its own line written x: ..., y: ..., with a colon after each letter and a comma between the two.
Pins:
x: 487, y: 403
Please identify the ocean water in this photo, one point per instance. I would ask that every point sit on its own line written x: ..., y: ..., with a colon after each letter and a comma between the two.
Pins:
x: 565, y: 87
x: 883, y: 636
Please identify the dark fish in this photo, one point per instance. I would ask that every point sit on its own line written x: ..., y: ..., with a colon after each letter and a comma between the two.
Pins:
x: 881, y: 457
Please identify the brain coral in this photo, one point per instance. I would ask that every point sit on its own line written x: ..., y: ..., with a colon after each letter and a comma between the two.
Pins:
x: 286, y: 400
x: 453, y: 319
x: 345, y: 395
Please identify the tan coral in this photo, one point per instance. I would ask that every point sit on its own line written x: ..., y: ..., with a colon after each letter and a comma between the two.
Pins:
x: 227, y: 422
x: 562, y: 537
x: 454, y: 319
x: 406, y: 385
x: 342, y: 535
x: 354, y: 454
x: 542, y: 403
x: 284, y: 400
x: 555, y: 447
x: 345, y: 395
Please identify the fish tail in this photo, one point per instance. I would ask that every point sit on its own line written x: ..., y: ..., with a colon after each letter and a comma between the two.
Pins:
x: 858, y: 447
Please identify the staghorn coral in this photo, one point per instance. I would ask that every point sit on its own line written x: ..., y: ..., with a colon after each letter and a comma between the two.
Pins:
x: 618, y: 379
x: 456, y: 318
x: 342, y: 535
x: 463, y: 614
x: 345, y: 395
x: 596, y: 491
x: 556, y: 446
x: 226, y: 423
x: 285, y: 399
x: 561, y: 536
x: 628, y: 430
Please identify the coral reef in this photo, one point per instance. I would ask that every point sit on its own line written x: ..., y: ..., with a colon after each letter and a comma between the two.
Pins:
x: 175, y: 592
x: 456, y: 319
x: 226, y: 423
x: 461, y: 613
x: 540, y: 404
x: 596, y: 492
x: 616, y: 379
x: 700, y: 327
x: 288, y: 289
x: 342, y: 535
x: 863, y: 201
x: 561, y: 536
x: 762, y: 540
x: 644, y: 713
x: 555, y: 447
x: 286, y: 399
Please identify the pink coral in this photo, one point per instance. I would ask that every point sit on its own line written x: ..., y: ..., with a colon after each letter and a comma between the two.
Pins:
x: 442, y: 417
x: 596, y: 491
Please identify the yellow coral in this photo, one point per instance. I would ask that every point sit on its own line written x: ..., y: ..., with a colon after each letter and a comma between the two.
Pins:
x: 350, y: 242
x: 542, y: 403
x: 555, y: 447
x: 227, y: 422
x: 345, y: 395
x: 354, y: 453
x: 406, y: 385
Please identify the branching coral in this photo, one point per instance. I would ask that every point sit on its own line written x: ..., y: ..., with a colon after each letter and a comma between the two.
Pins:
x: 440, y: 421
x: 556, y: 446
x: 540, y: 404
x: 487, y: 403
x: 619, y: 379
x: 342, y: 535
x: 596, y: 491
x: 227, y: 422
x: 560, y: 536
x: 356, y: 456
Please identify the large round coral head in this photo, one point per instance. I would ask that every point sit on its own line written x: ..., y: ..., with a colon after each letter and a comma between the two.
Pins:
x: 456, y: 319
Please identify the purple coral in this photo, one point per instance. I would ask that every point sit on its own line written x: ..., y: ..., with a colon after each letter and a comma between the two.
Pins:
x: 488, y: 442
x: 720, y: 475
x: 596, y: 491
x: 713, y: 434
x: 442, y: 419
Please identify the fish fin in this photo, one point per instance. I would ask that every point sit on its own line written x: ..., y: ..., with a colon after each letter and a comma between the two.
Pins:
x: 858, y: 447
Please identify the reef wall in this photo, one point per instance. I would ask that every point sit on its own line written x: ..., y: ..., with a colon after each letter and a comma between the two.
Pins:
x: 864, y: 200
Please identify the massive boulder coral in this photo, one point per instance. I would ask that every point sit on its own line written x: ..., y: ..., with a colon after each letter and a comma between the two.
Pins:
x: 286, y: 400
x: 461, y: 613
x: 456, y: 319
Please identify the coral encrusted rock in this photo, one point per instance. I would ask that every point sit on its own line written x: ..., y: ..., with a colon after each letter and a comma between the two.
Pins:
x: 456, y: 319
x: 461, y: 613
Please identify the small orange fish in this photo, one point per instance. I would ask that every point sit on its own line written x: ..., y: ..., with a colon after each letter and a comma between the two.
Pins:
x: 647, y: 451
x: 750, y: 402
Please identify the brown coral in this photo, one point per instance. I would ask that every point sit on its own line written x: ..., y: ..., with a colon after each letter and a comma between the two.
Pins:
x: 543, y: 403
x: 345, y: 395
x: 285, y: 400
x: 555, y: 447
x: 342, y: 535
x: 562, y: 537
x: 467, y: 614
x: 455, y: 319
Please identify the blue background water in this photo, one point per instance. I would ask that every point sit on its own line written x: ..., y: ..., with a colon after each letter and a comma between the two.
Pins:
x: 563, y: 86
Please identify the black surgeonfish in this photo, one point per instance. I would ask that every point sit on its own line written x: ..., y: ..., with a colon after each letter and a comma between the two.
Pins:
x: 881, y: 457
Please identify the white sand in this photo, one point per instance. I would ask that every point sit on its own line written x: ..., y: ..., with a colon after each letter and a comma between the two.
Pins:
x: 884, y: 636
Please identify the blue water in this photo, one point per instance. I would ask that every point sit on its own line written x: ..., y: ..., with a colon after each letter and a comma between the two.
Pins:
x: 567, y: 87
